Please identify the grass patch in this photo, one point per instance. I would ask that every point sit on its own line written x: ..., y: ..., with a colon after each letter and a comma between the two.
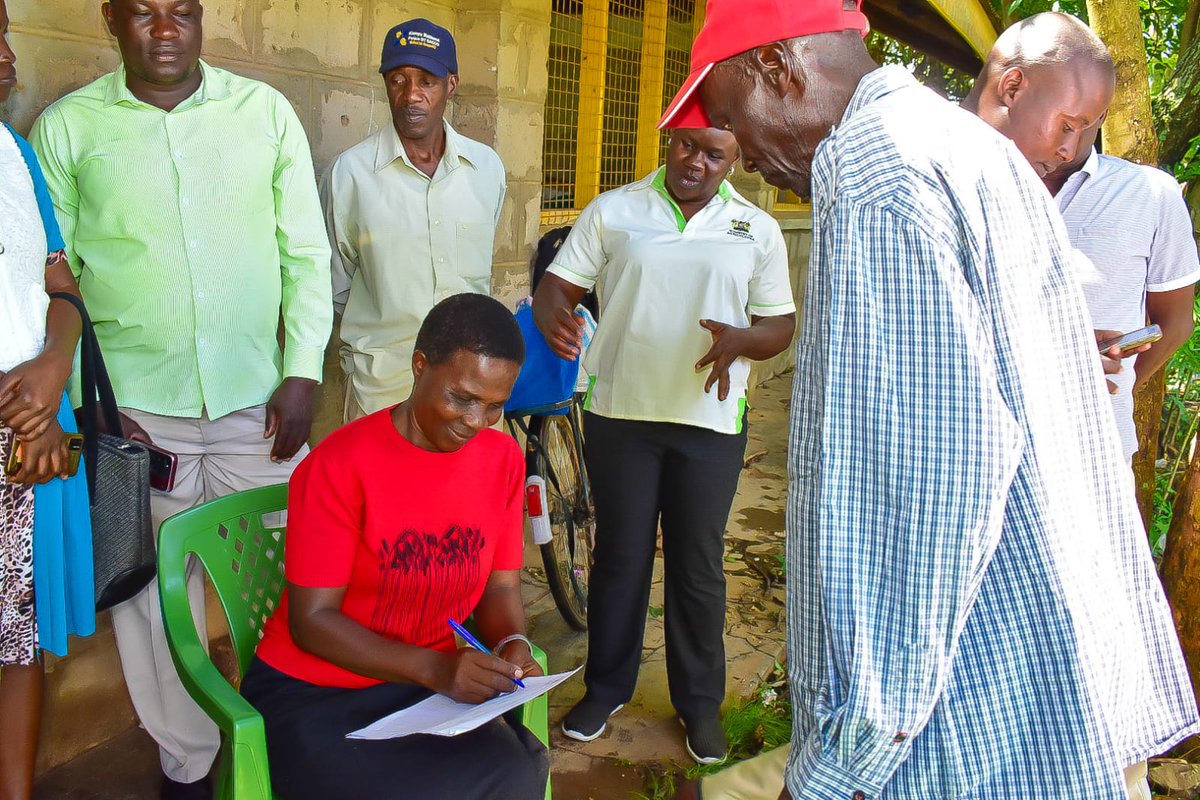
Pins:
x: 763, y: 722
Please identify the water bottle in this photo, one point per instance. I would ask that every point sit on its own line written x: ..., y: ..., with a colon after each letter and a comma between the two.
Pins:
x: 535, y: 507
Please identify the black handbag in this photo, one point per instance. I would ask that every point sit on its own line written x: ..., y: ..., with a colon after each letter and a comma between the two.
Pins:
x: 118, y: 478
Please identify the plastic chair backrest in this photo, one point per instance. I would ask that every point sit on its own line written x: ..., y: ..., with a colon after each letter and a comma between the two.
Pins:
x: 239, y: 539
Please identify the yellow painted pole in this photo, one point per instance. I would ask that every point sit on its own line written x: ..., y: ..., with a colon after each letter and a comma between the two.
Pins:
x: 650, y: 85
x: 594, y: 52
x: 972, y: 22
x: 697, y: 19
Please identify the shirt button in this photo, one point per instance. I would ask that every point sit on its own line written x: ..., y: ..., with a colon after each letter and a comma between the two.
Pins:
x: 437, y: 222
x: 200, y: 340
x: 858, y: 796
x: 178, y: 154
x: 199, y: 295
x: 442, y: 260
x: 184, y: 201
x: 192, y: 244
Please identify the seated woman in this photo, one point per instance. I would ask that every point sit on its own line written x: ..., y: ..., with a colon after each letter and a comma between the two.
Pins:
x: 397, y: 523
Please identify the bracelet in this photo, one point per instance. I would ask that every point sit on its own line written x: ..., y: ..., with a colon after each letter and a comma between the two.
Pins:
x: 513, y: 637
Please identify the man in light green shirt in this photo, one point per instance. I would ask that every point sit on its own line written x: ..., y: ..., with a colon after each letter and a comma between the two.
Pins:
x: 189, y: 208
x: 412, y: 213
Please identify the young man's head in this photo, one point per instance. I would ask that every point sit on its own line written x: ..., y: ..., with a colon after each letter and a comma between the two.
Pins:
x: 469, y: 351
x: 159, y: 40
x: 419, y: 65
x: 778, y: 75
x: 1046, y: 85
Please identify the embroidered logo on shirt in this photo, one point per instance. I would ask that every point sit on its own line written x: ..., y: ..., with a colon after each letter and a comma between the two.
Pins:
x: 740, y: 228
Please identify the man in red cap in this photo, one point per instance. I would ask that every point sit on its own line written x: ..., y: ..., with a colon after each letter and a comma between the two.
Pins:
x: 960, y: 534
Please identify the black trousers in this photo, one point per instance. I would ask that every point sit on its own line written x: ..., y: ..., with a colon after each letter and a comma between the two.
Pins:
x: 310, y: 756
x: 683, y: 477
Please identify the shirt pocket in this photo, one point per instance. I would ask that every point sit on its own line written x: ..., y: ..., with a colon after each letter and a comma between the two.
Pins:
x: 1120, y: 261
x: 474, y: 244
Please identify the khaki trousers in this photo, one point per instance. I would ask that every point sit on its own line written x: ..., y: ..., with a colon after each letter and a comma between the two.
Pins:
x: 351, y: 410
x: 761, y: 778
x: 216, y: 458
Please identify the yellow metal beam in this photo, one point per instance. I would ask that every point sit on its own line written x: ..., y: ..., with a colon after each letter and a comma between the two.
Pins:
x: 972, y: 22
x: 650, y: 84
x: 594, y: 53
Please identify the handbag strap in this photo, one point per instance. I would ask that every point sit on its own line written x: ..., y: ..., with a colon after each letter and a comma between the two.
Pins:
x: 98, y: 396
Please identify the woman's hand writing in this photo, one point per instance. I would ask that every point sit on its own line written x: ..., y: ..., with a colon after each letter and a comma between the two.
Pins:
x: 518, y: 653
x: 469, y: 676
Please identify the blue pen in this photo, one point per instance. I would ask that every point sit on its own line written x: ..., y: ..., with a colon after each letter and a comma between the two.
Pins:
x: 478, y: 645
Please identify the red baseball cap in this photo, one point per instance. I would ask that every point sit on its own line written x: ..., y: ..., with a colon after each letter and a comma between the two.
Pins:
x: 735, y: 26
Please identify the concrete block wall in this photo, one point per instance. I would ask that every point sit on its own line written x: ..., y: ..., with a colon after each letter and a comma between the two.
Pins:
x: 323, y: 55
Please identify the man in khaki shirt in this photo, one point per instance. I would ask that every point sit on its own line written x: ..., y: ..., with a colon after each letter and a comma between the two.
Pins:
x: 412, y: 213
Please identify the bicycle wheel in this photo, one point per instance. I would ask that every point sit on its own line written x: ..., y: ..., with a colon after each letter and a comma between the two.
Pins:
x: 568, y: 555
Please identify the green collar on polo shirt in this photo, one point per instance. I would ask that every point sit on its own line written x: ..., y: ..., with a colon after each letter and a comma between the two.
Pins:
x: 659, y: 184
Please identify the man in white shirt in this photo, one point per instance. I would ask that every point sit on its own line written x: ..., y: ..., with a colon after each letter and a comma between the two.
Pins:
x: 1129, y: 220
x: 412, y: 213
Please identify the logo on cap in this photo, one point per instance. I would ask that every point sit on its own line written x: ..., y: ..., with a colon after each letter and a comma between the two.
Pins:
x: 420, y: 39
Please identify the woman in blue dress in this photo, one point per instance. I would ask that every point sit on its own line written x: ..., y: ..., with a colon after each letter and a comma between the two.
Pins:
x: 44, y: 595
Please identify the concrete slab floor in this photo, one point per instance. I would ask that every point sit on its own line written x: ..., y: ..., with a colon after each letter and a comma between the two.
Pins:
x: 643, y: 735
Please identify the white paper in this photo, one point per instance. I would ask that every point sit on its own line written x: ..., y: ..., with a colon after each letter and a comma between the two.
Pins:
x: 441, y: 716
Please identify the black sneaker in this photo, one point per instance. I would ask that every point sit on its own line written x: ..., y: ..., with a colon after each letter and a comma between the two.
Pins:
x: 705, y: 739
x: 587, y: 719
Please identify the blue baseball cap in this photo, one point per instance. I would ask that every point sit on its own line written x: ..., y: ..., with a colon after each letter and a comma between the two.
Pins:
x: 419, y: 43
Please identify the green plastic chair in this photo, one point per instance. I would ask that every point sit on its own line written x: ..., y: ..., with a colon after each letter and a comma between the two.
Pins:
x: 239, y: 541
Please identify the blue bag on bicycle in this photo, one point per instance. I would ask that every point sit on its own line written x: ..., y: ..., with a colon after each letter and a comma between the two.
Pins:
x: 546, y: 381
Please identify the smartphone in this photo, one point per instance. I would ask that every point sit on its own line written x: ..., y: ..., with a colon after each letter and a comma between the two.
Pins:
x: 162, y: 467
x: 13, y: 465
x: 1133, y: 339
x: 74, y: 452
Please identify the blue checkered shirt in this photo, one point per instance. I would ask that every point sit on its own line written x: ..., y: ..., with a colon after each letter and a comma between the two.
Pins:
x: 973, y: 611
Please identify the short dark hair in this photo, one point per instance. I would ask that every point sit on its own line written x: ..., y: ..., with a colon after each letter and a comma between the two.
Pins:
x: 472, y: 322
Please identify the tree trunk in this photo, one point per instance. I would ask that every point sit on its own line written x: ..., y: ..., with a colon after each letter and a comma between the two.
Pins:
x: 1129, y: 129
x: 1147, y: 420
x: 1181, y: 103
x: 1191, y: 21
x: 1129, y: 133
x: 1180, y: 569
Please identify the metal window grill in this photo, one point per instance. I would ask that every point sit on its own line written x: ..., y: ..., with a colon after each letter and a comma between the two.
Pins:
x: 560, y: 137
x: 622, y: 77
x: 680, y: 25
x: 612, y: 65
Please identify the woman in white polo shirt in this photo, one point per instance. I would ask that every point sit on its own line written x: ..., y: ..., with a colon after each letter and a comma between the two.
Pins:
x: 693, y: 285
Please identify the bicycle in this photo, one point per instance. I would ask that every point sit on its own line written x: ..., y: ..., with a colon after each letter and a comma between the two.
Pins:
x: 558, y: 495
x: 554, y: 453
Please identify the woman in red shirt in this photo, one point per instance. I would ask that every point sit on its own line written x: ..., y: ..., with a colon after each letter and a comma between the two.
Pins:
x: 398, y: 522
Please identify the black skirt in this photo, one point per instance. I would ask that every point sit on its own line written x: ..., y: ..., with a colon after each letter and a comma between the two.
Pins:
x: 310, y: 756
